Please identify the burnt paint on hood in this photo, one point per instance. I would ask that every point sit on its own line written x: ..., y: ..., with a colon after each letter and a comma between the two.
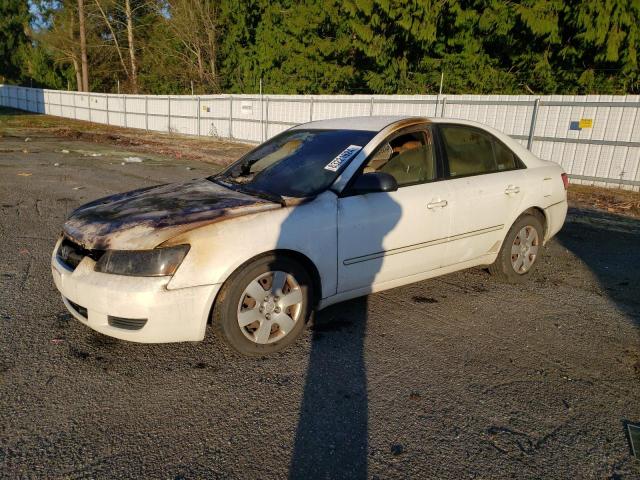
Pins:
x: 144, y: 218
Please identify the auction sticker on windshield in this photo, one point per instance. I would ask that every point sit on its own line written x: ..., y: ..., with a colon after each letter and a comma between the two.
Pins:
x: 344, y: 156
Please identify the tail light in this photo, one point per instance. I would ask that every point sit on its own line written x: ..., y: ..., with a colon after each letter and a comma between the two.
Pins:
x: 565, y: 180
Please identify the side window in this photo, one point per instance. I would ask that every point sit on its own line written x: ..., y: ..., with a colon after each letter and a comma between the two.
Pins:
x: 505, y: 158
x: 469, y: 151
x: 472, y: 152
x: 410, y: 158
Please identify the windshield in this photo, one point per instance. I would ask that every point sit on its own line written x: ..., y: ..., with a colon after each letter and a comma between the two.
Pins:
x: 296, y: 163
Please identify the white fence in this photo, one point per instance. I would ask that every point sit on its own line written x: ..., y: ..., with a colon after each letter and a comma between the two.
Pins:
x: 596, y: 138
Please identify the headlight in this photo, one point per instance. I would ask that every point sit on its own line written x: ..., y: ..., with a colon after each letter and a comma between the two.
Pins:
x: 142, y: 263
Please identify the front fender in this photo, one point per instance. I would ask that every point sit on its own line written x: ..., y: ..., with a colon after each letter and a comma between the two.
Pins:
x: 218, y: 249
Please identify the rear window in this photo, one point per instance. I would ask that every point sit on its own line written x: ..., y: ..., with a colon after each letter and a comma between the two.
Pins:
x: 505, y: 158
x: 471, y: 151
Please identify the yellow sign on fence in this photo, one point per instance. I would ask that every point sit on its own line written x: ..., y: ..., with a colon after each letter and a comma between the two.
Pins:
x: 586, y: 123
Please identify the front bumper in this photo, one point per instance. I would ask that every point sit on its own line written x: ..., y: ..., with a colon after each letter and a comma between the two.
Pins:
x: 171, y: 315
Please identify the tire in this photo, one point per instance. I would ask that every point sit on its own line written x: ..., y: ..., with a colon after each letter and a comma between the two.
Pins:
x: 268, y: 330
x: 516, y: 261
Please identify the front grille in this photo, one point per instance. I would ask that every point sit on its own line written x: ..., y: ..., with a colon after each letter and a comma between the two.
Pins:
x: 71, y: 254
x: 82, y: 311
x: 127, y: 323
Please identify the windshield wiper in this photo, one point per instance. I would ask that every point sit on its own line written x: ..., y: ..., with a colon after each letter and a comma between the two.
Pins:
x: 217, y: 179
x: 272, y: 197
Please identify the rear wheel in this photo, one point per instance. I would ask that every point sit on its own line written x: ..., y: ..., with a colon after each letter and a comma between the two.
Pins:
x: 520, y: 250
x: 263, y: 307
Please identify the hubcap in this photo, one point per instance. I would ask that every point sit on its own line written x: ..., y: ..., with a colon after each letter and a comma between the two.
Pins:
x: 524, y: 249
x: 270, y: 307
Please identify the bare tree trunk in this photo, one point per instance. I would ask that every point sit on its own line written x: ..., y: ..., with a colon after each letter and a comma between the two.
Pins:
x: 200, y: 65
x: 76, y: 67
x: 211, y: 29
x: 194, y: 23
x: 132, y: 52
x: 113, y: 35
x: 74, y: 58
x: 83, y: 47
x: 213, y: 51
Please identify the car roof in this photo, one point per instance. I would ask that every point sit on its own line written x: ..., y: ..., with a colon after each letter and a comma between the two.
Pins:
x: 377, y: 123
x: 368, y: 123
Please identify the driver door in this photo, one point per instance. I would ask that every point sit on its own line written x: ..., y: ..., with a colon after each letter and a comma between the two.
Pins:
x: 387, y: 236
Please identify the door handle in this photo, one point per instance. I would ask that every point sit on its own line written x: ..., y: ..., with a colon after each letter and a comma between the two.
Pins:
x: 512, y: 190
x: 439, y: 203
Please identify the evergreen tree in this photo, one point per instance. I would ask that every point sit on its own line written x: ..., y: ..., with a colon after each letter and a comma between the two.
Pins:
x: 14, y: 22
x: 336, y: 46
x: 393, y: 40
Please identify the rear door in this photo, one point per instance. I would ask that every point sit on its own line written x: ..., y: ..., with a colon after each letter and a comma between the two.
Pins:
x: 487, y: 184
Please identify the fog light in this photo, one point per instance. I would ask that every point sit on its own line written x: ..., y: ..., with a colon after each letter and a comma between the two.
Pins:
x: 80, y: 310
x: 127, y: 323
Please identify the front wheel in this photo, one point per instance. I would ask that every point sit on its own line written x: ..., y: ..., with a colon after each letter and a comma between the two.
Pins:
x: 263, y: 307
x: 520, y: 250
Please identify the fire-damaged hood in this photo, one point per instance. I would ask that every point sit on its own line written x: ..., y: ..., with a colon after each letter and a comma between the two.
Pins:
x: 143, y: 219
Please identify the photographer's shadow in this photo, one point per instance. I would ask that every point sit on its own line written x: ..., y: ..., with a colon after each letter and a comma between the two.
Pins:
x: 332, y: 434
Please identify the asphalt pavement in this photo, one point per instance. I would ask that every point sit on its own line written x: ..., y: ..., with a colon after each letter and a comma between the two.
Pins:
x: 456, y: 377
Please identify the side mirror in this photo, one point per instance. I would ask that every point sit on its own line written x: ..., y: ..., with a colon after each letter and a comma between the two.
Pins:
x: 374, y: 182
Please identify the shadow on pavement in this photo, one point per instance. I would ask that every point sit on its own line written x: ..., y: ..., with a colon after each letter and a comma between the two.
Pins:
x: 609, y: 245
x: 331, y: 438
x: 332, y: 435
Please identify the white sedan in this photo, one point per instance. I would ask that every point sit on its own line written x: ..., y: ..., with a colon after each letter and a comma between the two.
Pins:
x: 324, y: 212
